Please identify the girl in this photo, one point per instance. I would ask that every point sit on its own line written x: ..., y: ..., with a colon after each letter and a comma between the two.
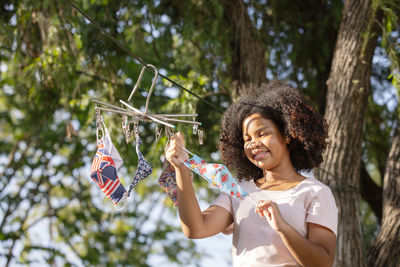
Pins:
x: 268, y: 137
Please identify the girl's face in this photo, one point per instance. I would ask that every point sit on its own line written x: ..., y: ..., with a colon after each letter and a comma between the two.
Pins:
x: 264, y: 145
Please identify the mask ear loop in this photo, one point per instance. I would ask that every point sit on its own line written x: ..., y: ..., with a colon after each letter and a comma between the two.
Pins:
x: 122, y: 202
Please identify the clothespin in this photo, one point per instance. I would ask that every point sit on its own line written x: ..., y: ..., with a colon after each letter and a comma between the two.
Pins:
x: 99, y: 124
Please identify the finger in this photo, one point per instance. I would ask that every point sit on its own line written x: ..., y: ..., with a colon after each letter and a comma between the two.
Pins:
x: 263, y: 204
x: 171, y: 143
x: 172, y: 152
x: 260, y: 209
x: 259, y: 204
x: 264, y: 213
x: 259, y: 212
x: 268, y: 215
x: 180, y: 139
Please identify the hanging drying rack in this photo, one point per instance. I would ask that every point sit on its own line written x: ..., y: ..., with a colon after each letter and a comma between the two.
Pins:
x: 138, y: 115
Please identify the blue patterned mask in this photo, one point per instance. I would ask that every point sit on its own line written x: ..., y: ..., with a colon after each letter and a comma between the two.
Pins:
x: 143, y: 169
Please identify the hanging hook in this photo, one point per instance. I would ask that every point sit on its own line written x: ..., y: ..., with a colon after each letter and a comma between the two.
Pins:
x: 151, y: 88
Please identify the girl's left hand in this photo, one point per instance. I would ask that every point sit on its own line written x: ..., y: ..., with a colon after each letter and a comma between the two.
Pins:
x: 270, y: 210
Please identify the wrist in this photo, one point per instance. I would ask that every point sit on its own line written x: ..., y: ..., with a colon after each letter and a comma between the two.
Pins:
x: 283, y: 228
x: 183, y: 171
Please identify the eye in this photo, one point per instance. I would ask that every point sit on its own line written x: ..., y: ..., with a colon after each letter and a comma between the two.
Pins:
x: 246, y: 139
x: 265, y: 133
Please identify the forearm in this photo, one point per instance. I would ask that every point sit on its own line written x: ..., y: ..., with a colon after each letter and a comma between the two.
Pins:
x: 303, y: 250
x: 189, y: 210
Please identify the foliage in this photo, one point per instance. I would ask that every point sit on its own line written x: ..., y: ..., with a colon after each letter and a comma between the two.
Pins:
x: 391, y: 40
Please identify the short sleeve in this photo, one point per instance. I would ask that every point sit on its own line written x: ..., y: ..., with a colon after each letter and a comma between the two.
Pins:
x: 224, y: 200
x: 322, y: 209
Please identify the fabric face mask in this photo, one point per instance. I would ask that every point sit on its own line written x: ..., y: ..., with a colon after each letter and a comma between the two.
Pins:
x: 216, y: 174
x: 104, y: 169
x: 167, y: 181
x: 143, y: 169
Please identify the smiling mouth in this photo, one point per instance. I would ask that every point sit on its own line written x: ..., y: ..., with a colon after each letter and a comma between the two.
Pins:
x: 259, y: 155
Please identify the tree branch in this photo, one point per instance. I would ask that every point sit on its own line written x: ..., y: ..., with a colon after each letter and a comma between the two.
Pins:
x: 371, y: 192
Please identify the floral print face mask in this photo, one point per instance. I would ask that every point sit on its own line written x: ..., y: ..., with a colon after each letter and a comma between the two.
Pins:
x: 216, y: 174
x: 167, y: 181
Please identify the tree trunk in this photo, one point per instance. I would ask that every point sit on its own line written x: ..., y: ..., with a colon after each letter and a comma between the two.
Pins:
x: 385, y: 250
x: 348, y: 91
x: 248, y: 68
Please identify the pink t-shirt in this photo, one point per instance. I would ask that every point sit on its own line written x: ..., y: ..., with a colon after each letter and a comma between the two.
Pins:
x: 255, y: 243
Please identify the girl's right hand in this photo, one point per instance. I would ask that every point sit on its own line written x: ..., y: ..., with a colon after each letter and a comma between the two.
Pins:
x: 175, y: 153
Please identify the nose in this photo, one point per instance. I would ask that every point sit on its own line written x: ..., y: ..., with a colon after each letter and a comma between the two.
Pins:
x: 254, y: 143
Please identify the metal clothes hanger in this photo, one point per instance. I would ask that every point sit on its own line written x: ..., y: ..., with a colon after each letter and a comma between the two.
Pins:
x: 138, y: 115
x: 161, y: 118
x: 147, y: 115
x: 136, y: 112
x: 151, y: 88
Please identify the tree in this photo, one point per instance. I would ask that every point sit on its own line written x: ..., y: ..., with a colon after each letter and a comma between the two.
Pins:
x: 348, y: 91
x: 385, y: 250
x: 248, y: 63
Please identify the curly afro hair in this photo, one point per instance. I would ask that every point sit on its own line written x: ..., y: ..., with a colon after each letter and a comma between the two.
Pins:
x: 303, y: 128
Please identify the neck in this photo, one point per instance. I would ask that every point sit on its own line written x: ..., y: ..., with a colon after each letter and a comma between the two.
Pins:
x: 286, y: 175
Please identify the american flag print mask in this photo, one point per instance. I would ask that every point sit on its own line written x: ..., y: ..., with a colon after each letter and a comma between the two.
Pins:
x: 104, y: 169
x: 216, y: 174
